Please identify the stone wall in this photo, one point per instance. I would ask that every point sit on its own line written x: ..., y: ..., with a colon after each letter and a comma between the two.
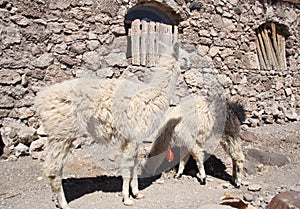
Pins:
x: 224, y: 32
x: 47, y: 41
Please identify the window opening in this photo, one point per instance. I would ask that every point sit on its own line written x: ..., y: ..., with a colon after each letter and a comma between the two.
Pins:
x: 149, y: 31
x: 270, y: 42
x: 147, y: 13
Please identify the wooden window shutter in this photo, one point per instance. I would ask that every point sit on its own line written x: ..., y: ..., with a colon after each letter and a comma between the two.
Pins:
x: 270, y: 43
x: 148, y: 40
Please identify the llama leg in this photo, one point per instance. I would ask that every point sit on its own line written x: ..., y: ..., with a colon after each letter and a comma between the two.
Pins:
x: 56, y: 154
x: 134, y: 182
x: 237, y: 172
x: 125, y: 189
x: 198, y: 155
x: 127, y: 170
x: 184, y: 157
x: 234, y: 150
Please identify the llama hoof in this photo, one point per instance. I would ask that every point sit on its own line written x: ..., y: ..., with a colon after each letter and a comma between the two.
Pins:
x: 63, y: 206
x: 67, y: 207
x: 178, y: 176
x: 128, y: 202
x: 202, y: 181
x: 236, y: 185
x: 139, y: 196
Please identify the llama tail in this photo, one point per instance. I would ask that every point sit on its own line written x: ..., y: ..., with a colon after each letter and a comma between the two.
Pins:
x: 238, y: 110
x: 228, y: 116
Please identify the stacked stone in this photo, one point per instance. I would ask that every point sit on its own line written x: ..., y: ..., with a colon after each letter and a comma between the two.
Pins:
x: 44, y: 42
x: 48, y: 42
x: 224, y: 32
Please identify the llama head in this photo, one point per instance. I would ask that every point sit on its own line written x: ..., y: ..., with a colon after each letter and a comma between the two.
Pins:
x: 169, y: 57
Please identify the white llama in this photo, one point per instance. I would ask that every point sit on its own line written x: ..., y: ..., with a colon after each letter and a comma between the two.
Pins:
x: 110, y: 110
x: 202, y: 124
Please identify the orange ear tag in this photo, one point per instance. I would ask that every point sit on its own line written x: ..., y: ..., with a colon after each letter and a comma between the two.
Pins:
x: 170, y: 156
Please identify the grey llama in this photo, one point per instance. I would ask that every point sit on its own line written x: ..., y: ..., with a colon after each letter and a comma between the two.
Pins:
x: 203, y: 122
x: 109, y: 110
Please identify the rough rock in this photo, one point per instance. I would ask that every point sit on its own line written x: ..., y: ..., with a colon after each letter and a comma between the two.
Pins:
x: 194, y: 77
x: 116, y: 59
x: 61, y: 5
x: 67, y: 60
x: 215, y: 206
x: 57, y: 74
x: 6, y: 101
x: 9, y: 77
x: 248, y: 197
x: 10, y: 35
x: 91, y: 60
x: 37, y: 145
x: 266, y: 157
x: 288, y: 200
x: 105, y: 73
x: 93, y: 44
x: 248, y: 136
x: 213, y: 51
x: 21, y: 150
x: 249, y: 168
x: 20, y: 20
x: 14, y: 131
x: 292, y: 115
x: 254, y: 187
x: 22, y: 113
x: 43, y: 61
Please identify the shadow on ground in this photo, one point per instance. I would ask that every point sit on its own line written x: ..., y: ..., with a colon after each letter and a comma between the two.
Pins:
x: 75, y: 188
x: 213, y: 167
x: 2, y: 145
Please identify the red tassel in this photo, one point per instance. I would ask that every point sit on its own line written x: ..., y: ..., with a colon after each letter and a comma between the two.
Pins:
x: 170, y: 156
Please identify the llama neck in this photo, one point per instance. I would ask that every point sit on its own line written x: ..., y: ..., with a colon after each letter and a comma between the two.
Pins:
x: 165, y: 78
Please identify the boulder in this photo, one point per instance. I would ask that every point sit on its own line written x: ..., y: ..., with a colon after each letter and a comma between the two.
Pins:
x: 248, y: 136
x: 286, y: 200
x: 266, y: 157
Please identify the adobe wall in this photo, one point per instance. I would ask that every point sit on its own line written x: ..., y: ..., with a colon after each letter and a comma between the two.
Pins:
x: 44, y: 42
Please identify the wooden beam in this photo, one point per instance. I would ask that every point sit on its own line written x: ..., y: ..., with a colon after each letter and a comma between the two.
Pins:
x: 274, y: 39
x: 269, y: 50
x: 144, y: 42
x: 151, y: 59
x: 135, y: 41
x: 260, y: 54
x: 263, y: 49
x: 282, y: 55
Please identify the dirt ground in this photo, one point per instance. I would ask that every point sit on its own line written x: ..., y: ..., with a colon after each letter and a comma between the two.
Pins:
x: 88, y: 186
